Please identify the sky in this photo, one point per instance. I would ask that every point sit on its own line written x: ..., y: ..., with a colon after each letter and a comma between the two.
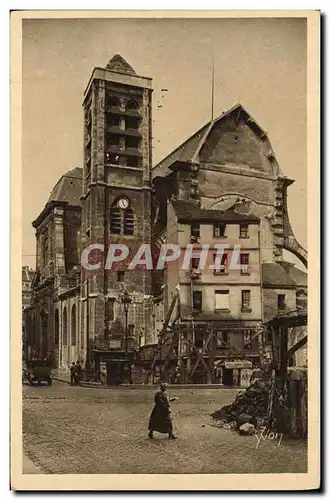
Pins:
x: 259, y: 62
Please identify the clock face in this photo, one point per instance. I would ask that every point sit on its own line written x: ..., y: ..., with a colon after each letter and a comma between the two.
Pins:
x: 123, y: 203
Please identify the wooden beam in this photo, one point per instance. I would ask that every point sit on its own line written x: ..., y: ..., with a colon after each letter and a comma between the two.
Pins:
x: 296, y: 347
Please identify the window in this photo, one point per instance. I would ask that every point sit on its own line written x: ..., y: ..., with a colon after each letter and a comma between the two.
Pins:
x: 133, y: 161
x: 195, y: 263
x: 223, y: 268
x: 195, y: 230
x: 132, y: 142
x: 45, y: 249
x: 247, y: 339
x: 121, y: 220
x: 222, y: 339
x: 132, y: 106
x: 219, y: 230
x: 222, y: 300
x: 113, y: 140
x: 120, y: 276
x: 112, y: 120
x: 244, y: 231
x: 244, y: 261
x: 281, y: 302
x: 132, y: 122
x: 110, y: 314
x: 57, y: 329
x: 199, y: 339
x: 65, y: 327
x: 128, y: 221
x: 115, y: 220
x: 246, y: 300
x: 197, y: 301
x: 112, y: 159
x: 73, y: 325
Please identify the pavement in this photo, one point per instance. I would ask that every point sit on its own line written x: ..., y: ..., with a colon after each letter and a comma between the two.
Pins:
x: 72, y: 430
x: 29, y: 467
x: 64, y: 376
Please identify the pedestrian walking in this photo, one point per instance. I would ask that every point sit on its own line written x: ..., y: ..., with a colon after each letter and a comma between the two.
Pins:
x: 78, y: 372
x: 160, y: 418
x: 73, y: 374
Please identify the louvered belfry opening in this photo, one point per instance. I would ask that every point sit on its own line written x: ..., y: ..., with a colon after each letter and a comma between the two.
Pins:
x: 115, y: 220
x: 128, y: 221
x: 122, y: 131
x: 121, y: 221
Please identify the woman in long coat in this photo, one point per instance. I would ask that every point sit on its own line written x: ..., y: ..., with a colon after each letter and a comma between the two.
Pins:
x: 160, y: 418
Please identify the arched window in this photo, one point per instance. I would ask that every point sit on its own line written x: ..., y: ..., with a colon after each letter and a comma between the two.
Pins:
x: 113, y: 102
x: 57, y: 329
x: 73, y: 325
x: 132, y: 105
x: 65, y: 327
x: 121, y: 218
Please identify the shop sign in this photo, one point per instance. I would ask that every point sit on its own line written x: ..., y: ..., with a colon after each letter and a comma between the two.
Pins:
x: 238, y: 363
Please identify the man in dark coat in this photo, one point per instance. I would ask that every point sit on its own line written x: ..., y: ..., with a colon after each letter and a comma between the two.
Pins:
x: 78, y: 372
x: 73, y: 374
x: 160, y: 418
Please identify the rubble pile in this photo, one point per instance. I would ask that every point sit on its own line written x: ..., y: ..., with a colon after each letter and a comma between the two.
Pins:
x: 249, y: 407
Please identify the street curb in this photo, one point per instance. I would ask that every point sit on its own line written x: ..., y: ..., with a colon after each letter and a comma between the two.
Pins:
x: 148, y: 386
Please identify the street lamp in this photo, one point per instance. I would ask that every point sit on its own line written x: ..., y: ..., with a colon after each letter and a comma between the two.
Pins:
x: 126, y: 300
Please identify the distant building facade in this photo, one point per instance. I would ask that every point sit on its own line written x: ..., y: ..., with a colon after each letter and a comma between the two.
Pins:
x: 223, y: 185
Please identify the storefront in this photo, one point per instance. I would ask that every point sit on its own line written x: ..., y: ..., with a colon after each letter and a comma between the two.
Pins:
x: 234, y: 373
x: 112, y: 365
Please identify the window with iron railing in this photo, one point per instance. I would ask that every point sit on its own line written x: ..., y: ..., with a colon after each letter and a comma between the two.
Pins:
x: 244, y: 262
x: 221, y: 267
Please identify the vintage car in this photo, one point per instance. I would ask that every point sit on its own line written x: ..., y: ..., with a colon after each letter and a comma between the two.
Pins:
x: 39, y: 370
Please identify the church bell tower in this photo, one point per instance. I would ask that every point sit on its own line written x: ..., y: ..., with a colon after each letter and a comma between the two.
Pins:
x: 116, y: 192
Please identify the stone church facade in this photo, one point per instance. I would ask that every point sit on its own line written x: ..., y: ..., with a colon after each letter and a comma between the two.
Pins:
x: 222, y: 185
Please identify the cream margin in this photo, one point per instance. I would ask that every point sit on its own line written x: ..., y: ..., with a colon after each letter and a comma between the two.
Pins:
x: 119, y: 482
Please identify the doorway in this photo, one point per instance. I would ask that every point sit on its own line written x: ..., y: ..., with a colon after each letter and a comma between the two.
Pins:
x: 115, y: 373
x: 228, y: 376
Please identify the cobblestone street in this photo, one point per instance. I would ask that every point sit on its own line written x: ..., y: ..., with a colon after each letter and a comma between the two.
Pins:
x: 70, y: 430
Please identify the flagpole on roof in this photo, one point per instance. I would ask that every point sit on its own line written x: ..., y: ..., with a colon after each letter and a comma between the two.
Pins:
x: 212, y: 97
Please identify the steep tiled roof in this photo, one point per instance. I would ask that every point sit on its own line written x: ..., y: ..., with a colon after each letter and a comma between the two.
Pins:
x: 188, y: 151
x: 187, y: 212
x: 273, y: 274
x: 68, y: 188
x: 299, y: 276
x: 118, y: 64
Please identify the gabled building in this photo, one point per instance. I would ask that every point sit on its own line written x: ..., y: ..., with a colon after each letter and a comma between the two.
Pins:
x: 223, y: 185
